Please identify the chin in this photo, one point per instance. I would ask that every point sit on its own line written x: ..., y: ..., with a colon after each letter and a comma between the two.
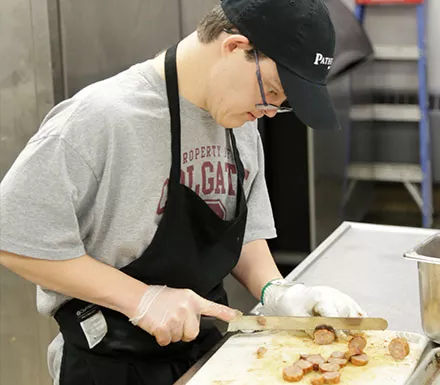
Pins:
x: 232, y: 122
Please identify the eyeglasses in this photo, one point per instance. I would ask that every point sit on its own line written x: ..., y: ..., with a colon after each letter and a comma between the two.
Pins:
x: 265, y: 106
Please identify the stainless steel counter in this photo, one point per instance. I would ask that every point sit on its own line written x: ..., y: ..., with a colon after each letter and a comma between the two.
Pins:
x: 365, y: 261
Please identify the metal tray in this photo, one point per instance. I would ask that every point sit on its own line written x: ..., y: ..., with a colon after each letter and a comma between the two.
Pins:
x: 428, y: 371
x: 356, y: 257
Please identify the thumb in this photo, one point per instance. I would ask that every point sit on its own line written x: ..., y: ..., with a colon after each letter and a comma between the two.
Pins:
x: 216, y: 310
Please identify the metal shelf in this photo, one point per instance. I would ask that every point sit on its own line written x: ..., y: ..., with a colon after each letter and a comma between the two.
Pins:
x: 396, y: 52
x: 386, y: 112
x: 408, y: 174
x: 387, y: 172
x: 387, y: 2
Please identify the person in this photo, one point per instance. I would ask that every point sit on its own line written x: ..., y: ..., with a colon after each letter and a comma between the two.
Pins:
x: 142, y: 192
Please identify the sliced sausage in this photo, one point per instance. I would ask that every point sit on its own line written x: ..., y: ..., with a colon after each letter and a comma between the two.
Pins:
x: 357, y: 345
x: 341, y: 362
x: 324, y: 335
x: 292, y: 373
x: 261, y: 352
x: 316, y: 360
x: 398, y: 348
x: 338, y: 355
x: 332, y: 378
x: 327, y: 367
x: 306, y: 366
x: 317, y: 380
x: 359, y: 359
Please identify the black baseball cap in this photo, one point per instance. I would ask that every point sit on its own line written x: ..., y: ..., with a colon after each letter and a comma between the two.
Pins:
x: 299, y: 36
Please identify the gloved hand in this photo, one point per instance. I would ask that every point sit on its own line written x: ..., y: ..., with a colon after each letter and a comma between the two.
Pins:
x: 282, y: 298
x: 172, y: 315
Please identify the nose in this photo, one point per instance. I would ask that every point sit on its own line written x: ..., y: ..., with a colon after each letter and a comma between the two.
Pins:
x: 270, y: 113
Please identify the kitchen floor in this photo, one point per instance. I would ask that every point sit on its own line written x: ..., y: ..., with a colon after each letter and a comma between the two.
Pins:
x: 24, y: 334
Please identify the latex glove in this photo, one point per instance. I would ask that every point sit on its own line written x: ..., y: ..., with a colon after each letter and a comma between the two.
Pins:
x: 282, y: 298
x: 172, y: 315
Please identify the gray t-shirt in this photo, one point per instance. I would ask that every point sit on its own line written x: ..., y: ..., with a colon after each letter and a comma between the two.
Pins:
x: 93, y: 179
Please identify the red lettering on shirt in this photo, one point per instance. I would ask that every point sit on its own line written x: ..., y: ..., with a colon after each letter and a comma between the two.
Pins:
x: 207, y: 182
x: 211, y: 179
x: 220, y: 181
x: 231, y: 169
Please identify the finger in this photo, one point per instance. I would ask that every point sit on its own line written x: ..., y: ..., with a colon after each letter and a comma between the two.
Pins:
x: 191, y: 328
x: 359, y: 311
x: 354, y: 310
x: 326, y: 309
x: 162, y: 335
x: 177, y: 332
x: 216, y: 310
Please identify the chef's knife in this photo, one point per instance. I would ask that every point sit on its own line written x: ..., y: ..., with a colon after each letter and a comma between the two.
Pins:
x: 257, y: 323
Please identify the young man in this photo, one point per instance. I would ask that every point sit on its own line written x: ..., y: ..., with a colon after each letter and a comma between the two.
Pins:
x: 136, y: 198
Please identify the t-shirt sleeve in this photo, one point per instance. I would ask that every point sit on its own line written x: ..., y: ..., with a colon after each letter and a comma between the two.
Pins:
x: 42, y: 197
x: 260, y: 222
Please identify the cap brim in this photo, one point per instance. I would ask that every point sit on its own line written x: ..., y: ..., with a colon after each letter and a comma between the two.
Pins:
x: 310, y: 101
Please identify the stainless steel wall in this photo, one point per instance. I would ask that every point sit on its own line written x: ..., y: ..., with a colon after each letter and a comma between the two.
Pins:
x: 50, y: 49
x: 25, y: 97
x: 56, y: 47
x: 25, y: 74
x: 192, y: 11
x: 97, y: 42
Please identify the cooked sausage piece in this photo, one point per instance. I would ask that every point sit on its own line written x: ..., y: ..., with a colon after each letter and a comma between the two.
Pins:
x: 316, y: 360
x: 357, y: 345
x: 338, y: 355
x: 327, y: 367
x: 306, y: 366
x: 398, y: 348
x: 292, y: 374
x: 359, y: 359
x: 261, y: 352
x: 317, y: 380
x: 324, y: 335
x: 348, y: 355
x: 332, y: 378
x: 341, y: 362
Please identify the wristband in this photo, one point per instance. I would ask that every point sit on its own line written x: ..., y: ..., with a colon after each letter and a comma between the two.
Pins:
x: 271, y: 282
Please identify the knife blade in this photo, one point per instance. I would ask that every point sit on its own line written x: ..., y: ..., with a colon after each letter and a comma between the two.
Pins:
x: 257, y: 323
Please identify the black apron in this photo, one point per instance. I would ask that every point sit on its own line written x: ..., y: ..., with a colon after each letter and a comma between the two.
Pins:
x: 192, y: 248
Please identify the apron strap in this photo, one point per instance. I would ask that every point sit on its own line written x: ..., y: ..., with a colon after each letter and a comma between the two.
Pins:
x: 174, y: 107
x: 240, y: 172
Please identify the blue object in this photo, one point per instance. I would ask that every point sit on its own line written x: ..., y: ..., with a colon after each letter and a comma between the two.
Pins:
x: 424, y: 130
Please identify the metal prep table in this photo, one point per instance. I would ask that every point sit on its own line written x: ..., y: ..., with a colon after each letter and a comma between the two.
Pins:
x: 365, y: 261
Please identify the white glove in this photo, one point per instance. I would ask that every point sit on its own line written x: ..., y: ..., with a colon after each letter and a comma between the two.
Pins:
x: 282, y: 298
x: 173, y: 315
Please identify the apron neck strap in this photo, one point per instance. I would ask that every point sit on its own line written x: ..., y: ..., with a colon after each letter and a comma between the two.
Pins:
x: 238, y: 162
x: 174, y: 107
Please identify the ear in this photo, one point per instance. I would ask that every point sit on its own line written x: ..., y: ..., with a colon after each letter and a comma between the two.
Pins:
x: 234, y: 42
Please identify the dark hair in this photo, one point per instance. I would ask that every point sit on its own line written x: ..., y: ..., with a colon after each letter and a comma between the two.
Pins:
x: 214, y: 23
